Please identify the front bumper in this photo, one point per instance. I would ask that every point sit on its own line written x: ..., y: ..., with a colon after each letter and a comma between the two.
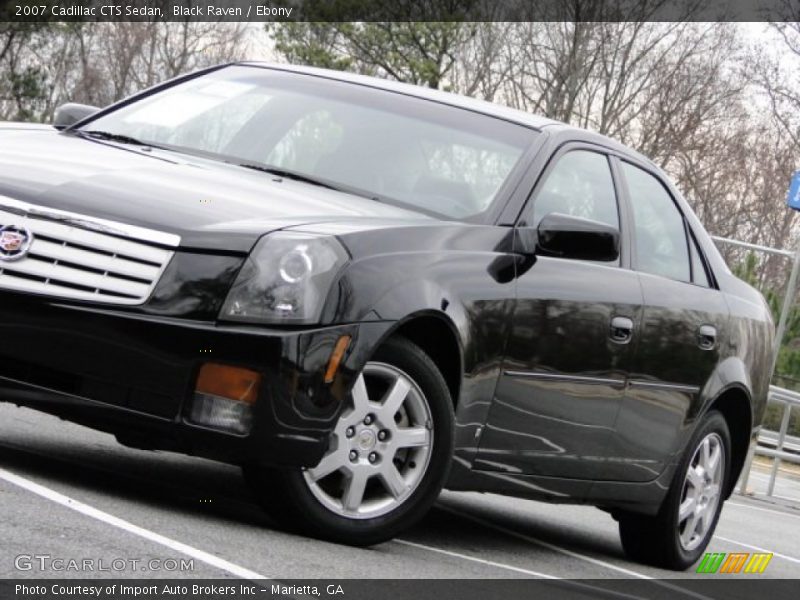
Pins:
x: 133, y: 375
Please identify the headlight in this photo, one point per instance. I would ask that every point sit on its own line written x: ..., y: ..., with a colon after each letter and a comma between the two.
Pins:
x: 286, y: 279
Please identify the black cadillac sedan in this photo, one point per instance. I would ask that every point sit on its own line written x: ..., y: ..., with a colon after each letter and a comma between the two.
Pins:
x: 362, y: 292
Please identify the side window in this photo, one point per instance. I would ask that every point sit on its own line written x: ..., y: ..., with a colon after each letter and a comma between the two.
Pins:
x: 661, y: 247
x: 579, y: 185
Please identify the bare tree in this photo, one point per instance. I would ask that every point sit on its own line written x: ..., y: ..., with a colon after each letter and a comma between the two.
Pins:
x: 422, y: 53
x: 779, y: 80
x: 100, y: 63
x: 482, y: 67
x: 22, y: 83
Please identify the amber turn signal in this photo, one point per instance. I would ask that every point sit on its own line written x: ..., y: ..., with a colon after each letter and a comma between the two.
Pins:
x: 336, y: 357
x: 234, y: 383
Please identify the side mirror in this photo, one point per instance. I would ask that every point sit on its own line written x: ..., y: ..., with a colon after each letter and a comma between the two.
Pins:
x: 564, y: 236
x: 69, y: 114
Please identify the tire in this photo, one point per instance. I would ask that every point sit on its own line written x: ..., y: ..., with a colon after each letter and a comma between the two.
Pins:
x: 410, y: 434
x: 666, y: 540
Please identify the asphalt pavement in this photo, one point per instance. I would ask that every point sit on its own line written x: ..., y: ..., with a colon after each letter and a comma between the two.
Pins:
x: 68, y: 493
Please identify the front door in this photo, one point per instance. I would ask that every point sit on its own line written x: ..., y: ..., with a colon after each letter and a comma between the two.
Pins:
x: 572, y: 343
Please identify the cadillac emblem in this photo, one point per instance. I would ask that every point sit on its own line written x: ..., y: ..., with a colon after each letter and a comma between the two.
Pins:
x: 14, y: 242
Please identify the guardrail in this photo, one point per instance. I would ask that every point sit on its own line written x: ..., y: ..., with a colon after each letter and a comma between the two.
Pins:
x: 789, y: 399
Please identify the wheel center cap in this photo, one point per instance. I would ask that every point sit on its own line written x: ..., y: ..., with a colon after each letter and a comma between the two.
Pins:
x: 366, y: 439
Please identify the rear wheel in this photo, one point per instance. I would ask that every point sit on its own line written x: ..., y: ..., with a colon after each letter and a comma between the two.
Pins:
x: 677, y: 536
x: 388, y: 457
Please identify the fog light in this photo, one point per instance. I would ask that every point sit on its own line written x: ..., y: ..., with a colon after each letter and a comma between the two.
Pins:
x: 224, y: 398
x: 221, y: 413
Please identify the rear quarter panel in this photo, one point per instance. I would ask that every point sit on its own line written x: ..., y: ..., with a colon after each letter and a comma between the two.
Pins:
x: 751, y: 339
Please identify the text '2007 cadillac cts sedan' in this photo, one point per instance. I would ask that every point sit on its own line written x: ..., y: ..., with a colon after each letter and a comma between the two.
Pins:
x: 362, y: 291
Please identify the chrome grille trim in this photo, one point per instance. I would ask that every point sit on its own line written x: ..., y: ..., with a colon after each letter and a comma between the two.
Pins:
x: 79, y: 257
x: 92, y: 223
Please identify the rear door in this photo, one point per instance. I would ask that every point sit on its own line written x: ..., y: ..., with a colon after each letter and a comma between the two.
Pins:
x: 685, y: 321
x: 566, y: 362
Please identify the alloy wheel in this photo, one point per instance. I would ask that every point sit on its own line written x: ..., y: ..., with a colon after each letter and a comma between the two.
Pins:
x: 702, y: 489
x: 380, y: 448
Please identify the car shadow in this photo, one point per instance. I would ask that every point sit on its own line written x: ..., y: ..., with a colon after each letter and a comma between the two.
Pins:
x: 214, y: 490
x: 522, y: 528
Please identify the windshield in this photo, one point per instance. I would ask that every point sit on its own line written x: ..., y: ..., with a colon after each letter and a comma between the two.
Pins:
x: 421, y: 154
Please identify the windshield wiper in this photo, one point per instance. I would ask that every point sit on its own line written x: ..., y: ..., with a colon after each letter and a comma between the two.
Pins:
x: 335, y: 186
x: 289, y: 175
x: 113, y: 137
x: 294, y: 175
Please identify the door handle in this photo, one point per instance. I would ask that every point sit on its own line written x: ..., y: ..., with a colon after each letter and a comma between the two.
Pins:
x: 621, y: 330
x: 707, y: 337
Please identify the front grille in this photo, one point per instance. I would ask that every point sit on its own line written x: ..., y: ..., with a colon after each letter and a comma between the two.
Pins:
x: 82, y: 258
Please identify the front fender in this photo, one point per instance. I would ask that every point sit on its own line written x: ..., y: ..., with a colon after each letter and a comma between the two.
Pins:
x: 460, y: 287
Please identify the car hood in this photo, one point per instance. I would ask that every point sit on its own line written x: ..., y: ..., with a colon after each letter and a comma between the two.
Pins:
x: 209, y: 204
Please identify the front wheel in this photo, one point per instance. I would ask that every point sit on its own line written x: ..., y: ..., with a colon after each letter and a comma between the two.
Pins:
x: 387, y: 461
x: 677, y: 536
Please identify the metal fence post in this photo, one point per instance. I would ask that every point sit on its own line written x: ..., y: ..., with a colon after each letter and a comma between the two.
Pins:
x: 748, y: 464
x: 788, y: 302
x: 776, y: 461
